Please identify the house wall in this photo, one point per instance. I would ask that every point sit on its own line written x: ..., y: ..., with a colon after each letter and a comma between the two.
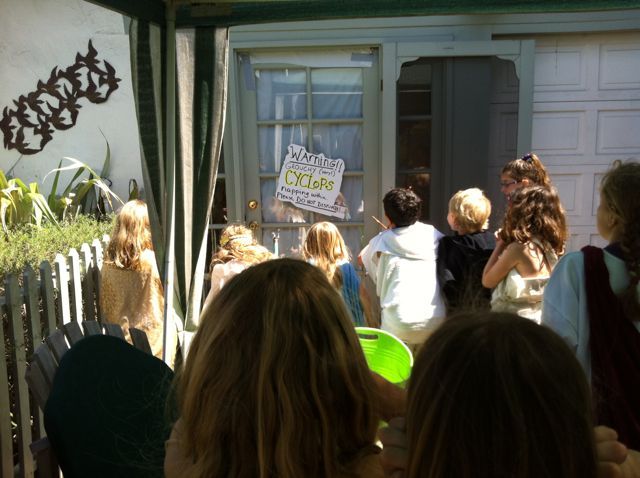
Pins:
x: 586, y: 115
x: 37, y: 36
x: 586, y: 91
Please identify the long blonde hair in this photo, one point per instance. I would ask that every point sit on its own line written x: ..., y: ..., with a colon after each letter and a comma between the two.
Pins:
x: 131, y: 235
x: 325, y: 247
x: 276, y: 383
x: 237, y: 243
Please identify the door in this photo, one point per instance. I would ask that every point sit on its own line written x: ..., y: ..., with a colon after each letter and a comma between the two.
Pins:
x: 445, y: 101
x: 325, y: 101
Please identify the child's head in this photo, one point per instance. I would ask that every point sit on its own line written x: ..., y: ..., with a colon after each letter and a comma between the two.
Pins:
x: 469, y: 211
x: 237, y: 242
x: 493, y: 394
x: 402, y: 206
x: 536, y: 213
x: 325, y: 247
x: 276, y: 383
x: 523, y: 172
x: 131, y: 235
x: 619, y: 220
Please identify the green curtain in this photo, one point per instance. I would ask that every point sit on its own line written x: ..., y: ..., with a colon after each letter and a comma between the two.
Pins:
x: 201, y: 56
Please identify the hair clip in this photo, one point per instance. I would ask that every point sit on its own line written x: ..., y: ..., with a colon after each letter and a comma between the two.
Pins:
x: 527, y: 158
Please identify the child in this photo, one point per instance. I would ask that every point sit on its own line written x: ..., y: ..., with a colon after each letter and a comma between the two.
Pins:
x: 275, y: 383
x: 531, y: 238
x: 325, y: 248
x: 131, y: 292
x: 495, y: 395
x: 401, y: 261
x: 238, y: 250
x: 462, y: 257
x: 592, y: 302
x: 521, y: 173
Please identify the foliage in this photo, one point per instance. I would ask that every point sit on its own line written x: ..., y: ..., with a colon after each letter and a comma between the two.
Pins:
x: 87, y: 196
x: 29, y: 244
x: 22, y: 204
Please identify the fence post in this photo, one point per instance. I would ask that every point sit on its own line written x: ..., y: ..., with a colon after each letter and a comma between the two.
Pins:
x: 62, y: 279
x: 48, y: 297
x: 88, y: 283
x: 23, y: 414
x: 6, y: 442
x: 96, y: 247
x: 34, y: 328
x: 76, y: 285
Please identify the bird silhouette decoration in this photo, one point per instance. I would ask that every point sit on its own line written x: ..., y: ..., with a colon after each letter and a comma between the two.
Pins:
x: 55, y: 104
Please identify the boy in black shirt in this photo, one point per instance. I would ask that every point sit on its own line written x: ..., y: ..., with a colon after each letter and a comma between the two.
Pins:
x: 462, y: 256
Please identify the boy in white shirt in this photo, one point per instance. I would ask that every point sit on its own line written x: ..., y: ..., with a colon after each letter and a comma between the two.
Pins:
x: 401, y: 261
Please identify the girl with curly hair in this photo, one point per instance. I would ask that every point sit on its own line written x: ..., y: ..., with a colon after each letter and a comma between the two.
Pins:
x: 238, y: 250
x: 521, y: 173
x: 592, y: 302
x: 528, y: 244
x: 131, y: 292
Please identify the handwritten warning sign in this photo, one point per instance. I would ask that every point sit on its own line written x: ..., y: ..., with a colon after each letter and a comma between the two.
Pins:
x: 311, y: 181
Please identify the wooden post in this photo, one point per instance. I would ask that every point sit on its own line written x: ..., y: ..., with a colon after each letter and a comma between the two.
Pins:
x: 88, y: 284
x: 98, y: 255
x: 75, y: 285
x: 23, y: 414
x: 48, y: 298
x: 34, y: 327
x: 6, y: 443
x: 62, y: 280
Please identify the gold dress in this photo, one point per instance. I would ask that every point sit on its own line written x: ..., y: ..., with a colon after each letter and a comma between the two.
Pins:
x: 134, y: 298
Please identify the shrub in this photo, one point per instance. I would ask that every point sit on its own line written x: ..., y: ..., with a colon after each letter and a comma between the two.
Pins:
x: 29, y: 244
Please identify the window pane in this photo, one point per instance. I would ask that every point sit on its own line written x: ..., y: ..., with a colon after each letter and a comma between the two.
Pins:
x: 290, y: 240
x: 336, y: 93
x: 342, y: 141
x: 282, y: 94
x: 353, y: 238
x: 421, y: 185
x: 414, y: 89
x: 414, y: 144
x: 351, y: 197
x: 274, y: 210
x: 273, y: 142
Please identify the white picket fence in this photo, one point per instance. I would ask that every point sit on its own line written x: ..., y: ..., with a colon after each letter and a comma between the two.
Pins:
x: 70, y: 290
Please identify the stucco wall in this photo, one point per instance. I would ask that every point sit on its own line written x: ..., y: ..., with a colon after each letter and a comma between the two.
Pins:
x: 35, y: 37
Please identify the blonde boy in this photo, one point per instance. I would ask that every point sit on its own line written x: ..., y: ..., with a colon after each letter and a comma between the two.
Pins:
x: 462, y: 256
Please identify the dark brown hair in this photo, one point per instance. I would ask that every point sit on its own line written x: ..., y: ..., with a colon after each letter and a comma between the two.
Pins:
x: 496, y: 395
x: 536, y: 213
x: 621, y: 189
x: 528, y: 167
x: 402, y: 206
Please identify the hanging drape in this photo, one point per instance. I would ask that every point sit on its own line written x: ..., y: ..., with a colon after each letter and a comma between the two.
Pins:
x: 189, y: 128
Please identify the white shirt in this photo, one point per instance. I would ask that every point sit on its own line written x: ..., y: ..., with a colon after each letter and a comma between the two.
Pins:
x: 402, y: 264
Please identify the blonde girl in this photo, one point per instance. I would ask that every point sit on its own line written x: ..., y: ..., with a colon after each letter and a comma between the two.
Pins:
x: 592, y: 302
x: 275, y: 383
x: 238, y: 250
x: 532, y: 237
x: 521, y: 173
x: 131, y: 293
x: 324, y: 247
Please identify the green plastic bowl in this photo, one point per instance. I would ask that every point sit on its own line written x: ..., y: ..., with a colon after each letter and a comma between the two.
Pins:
x: 386, y: 354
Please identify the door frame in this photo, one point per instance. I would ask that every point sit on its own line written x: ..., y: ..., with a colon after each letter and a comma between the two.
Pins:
x: 395, y: 54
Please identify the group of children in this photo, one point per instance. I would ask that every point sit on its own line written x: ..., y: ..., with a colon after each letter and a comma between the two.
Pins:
x: 276, y: 384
